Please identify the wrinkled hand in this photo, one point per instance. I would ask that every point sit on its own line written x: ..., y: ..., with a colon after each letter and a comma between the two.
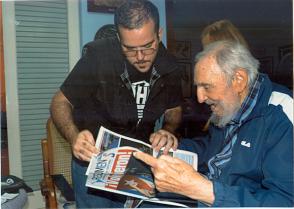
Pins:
x: 163, y: 138
x: 171, y: 174
x: 174, y: 175
x: 83, y: 146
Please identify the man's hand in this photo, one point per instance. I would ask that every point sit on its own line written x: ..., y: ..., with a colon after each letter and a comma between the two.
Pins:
x: 174, y: 175
x: 163, y: 138
x: 83, y: 146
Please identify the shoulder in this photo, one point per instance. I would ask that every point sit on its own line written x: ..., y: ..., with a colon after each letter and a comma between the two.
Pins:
x: 274, y: 100
x: 165, y: 63
x: 282, y: 99
x: 282, y: 89
x: 277, y: 121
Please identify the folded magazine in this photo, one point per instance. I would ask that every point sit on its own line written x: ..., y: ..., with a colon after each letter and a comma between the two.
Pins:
x: 116, y: 170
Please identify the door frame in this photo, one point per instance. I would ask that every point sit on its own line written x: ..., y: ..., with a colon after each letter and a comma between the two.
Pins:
x: 10, y: 66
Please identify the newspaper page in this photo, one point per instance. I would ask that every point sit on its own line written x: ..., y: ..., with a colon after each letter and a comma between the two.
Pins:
x: 116, y: 170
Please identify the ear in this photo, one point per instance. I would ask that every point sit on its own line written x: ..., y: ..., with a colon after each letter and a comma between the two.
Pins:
x: 160, y: 34
x: 240, y: 81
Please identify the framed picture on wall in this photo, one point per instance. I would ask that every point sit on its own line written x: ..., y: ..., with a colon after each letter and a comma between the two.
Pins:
x: 285, y: 50
x: 182, y: 50
x: 284, y: 72
x: 106, y: 6
x: 186, y: 69
x: 266, y: 65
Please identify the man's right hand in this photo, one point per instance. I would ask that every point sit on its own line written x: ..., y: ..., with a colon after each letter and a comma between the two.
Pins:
x: 163, y: 138
x: 83, y: 146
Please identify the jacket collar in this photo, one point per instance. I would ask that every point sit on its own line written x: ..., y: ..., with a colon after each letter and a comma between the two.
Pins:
x: 249, y: 102
x: 264, y: 94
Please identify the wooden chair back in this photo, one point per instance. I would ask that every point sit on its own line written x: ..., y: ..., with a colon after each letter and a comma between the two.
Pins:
x: 60, y: 152
x: 57, y: 155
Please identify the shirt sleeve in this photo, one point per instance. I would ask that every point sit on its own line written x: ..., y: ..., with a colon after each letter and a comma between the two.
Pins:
x: 80, y: 84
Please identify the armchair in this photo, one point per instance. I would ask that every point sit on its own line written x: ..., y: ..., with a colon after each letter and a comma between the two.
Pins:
x: 57, y: 168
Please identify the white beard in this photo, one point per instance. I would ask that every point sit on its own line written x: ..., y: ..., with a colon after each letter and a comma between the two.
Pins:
x: 229, y: 113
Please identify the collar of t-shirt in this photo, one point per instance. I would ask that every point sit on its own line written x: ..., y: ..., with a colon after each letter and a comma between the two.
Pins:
x: 136, y: 75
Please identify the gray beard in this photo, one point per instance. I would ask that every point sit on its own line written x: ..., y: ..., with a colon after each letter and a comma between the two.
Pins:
x: 222, y: 121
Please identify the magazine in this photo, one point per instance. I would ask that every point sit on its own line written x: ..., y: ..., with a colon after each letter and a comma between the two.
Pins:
x: 116, y: 170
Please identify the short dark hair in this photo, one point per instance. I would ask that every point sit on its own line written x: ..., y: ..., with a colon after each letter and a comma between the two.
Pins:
x: 134, y: 13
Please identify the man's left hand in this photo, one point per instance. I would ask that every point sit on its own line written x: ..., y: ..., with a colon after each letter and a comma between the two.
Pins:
x: 163, y: 138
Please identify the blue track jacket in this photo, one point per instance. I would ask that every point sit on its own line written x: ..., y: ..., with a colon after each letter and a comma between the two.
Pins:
x: 260, y: 172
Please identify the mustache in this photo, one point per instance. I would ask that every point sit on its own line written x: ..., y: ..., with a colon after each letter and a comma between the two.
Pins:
x: 210, y: 102
x: 141, y: 62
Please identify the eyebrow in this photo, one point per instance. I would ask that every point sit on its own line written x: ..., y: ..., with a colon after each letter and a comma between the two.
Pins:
x: 202, y: 84
x: 142, y: 46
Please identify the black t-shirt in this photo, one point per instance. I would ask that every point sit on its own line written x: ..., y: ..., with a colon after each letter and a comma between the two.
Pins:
x: 140, y: 87
x: 100, y: 96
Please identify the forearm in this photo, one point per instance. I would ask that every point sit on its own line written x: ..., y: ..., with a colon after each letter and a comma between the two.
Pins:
x: 61, y: 114
x: 172, y: 119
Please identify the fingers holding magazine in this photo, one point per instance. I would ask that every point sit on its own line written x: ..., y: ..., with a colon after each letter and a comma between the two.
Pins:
x: 163, y: 138
x: 83, y: 146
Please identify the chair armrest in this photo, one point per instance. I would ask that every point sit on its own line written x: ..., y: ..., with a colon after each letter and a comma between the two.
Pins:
x: 48, y: 191
x: 46, y: 184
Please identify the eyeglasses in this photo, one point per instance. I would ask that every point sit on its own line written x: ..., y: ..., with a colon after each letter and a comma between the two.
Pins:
x: 134, y: 53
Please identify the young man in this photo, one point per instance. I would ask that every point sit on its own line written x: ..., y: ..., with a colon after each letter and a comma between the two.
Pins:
x: 248, y: 156
x: 124, y: 84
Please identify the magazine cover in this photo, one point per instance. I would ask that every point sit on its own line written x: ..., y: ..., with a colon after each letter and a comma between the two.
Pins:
x: 116, y: 170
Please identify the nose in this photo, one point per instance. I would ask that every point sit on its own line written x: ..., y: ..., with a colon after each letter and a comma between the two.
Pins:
x: 201, y: 95
x: 140, y: 55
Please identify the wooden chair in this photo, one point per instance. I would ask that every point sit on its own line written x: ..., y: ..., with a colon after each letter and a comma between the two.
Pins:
x: 56, y: 160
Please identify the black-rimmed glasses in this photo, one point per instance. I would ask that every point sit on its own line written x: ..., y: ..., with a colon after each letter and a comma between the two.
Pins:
x: 133, y: 53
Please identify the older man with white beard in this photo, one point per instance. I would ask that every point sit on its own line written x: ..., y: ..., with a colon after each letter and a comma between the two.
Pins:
x: 247, y: 158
